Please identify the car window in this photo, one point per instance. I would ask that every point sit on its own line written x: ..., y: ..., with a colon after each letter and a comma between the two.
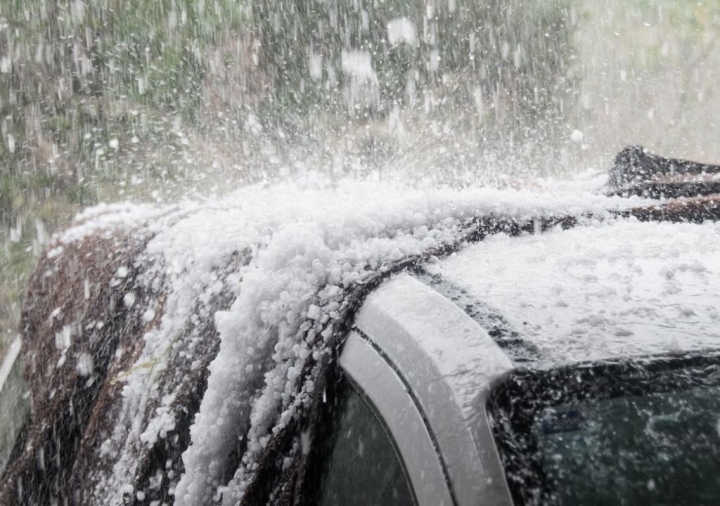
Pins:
x: 363, y: 466
x: 631, y: 434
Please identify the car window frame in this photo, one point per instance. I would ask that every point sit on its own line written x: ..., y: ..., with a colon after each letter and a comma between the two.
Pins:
x: 390, y: 399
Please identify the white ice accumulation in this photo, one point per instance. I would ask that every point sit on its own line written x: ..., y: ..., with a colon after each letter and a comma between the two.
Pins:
x: 309, y: 246
x: 610, y: 290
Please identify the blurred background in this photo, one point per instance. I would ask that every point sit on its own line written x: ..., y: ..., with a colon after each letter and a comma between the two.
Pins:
x: 159, y: 100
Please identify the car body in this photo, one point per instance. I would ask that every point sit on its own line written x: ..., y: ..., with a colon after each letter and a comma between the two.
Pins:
x: 568, y: 327
x: 380, y: 350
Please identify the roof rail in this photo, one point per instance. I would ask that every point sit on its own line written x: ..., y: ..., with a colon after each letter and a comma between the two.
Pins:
x: 636, y: 171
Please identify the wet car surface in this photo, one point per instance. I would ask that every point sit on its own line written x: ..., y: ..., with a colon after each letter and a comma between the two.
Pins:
x: 442, y: 349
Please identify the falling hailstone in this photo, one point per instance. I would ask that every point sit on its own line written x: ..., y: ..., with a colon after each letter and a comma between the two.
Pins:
x: 315, y: 66
x: 84, y: 365
x: 129, y: 299
x: 401, y: 30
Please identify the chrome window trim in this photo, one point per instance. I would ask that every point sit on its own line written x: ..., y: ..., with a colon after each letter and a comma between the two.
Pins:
x: 381, y: 385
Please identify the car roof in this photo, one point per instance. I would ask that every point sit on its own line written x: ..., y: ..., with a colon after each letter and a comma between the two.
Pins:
x: 617, y: 289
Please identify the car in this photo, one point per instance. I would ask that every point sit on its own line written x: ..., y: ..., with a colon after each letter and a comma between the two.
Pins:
x: 520, y: 356
x: 576, y: 367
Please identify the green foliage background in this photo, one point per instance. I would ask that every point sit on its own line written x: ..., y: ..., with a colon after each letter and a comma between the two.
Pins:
x: 76, y: 79
x: 143, y: 99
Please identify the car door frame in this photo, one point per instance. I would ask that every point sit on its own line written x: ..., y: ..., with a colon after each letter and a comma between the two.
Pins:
x: 389, y: 398
x: 444, y: 366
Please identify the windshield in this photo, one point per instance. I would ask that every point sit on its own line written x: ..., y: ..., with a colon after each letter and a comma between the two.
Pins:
x: 630, y: 434
x: 659, y: 449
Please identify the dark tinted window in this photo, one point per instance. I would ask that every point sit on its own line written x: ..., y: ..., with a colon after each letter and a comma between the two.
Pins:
x: 362, y: 467
x: 630, y: 434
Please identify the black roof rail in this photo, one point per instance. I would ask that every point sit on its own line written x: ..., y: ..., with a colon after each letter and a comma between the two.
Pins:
x: 636, y: 171
x: 489, y: 318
